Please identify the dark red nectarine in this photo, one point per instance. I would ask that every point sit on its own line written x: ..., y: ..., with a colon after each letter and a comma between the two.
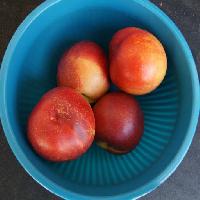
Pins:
x: 138, y: 61
x: 119, y: 122
x: 61, y: 126
x: 84, y: 68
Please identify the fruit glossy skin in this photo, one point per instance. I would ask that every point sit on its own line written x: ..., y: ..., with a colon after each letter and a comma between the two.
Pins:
x: 118, y: 38
x: 119, y: 122
x: 61, y: 126
x: 139, y: 61
x: 84, y: 68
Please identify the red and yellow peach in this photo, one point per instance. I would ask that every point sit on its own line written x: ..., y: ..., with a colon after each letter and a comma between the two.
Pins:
x: 84, y: 68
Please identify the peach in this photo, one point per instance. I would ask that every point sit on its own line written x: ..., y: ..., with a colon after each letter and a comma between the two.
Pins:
x: 119, y: 122
x: 138, y: 61
x: 84, y: 68
x: 61, y: 127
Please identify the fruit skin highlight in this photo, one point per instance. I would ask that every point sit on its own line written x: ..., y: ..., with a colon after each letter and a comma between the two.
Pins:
x: 84, y: 68
x: 119, y: 122
x: 138, y: 61
x: 61, y: 126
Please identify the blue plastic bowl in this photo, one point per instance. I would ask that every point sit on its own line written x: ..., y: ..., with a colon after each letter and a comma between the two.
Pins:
x: 171, y: 112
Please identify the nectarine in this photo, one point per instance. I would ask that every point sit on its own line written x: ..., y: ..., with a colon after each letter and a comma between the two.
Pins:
x: 119, y: 122
x: 84, y: 68
x: 61, y: 126
x: 138, y: 61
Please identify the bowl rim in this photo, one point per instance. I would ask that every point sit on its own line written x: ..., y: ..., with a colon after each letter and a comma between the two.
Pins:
x: 45, y: 181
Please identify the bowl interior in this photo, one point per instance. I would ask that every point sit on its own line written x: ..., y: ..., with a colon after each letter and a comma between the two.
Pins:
x: 167, y: 110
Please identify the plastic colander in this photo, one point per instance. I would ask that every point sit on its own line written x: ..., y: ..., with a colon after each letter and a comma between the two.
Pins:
x: 171, y: 111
